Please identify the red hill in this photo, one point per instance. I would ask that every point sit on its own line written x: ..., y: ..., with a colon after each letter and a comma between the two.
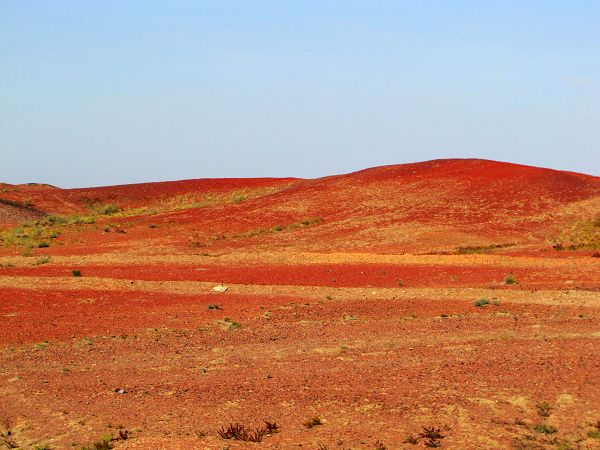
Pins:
x: 433, y: 205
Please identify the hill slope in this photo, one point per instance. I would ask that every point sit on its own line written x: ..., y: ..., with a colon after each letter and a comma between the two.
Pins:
x: 434, y: 205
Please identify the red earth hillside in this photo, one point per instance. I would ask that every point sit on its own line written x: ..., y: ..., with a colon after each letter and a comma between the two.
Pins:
x: 424, y: 206
x: 434, y: 205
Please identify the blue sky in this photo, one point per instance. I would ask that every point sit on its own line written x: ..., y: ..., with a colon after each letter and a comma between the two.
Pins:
x: 108, y: 92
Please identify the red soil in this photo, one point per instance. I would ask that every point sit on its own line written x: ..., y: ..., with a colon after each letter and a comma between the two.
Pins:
x: 333, y: 275
x: 352, y: 318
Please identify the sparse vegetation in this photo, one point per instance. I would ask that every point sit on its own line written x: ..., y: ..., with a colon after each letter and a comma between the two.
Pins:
x: 240, y: 432
x: 545, y: 428
x: 582, y: 235
x: 8, y: 440
x: 107, y: 210
x: 594, y: 434
x: 41, y: 345
x: 431, y: 437
x: 510, y: 279
x: 228, y: 325
x: 201, y: 241
x: 42, y: 260
x: 410, y: 439
x: 543, y: 409
x: 481, y: 302
x: 106, y: 441
x: 210, y: 307
x: 313, y: 422
x: 380, y: 446
x: 76, y: 273
x: 477, y: 249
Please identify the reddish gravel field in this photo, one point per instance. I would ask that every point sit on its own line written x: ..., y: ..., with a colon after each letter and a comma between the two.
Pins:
x: 451, y: 304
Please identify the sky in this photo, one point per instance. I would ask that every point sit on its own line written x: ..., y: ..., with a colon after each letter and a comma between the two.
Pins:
x: 114, y: 91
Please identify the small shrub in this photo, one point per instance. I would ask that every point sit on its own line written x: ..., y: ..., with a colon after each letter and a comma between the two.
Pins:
x: 83, y: 220
x: 42, y: 447
x: 108, y: 210
x: 42, y: 260
x: 545, y: 428
x: 431, y: 437
x: 239, y: 198
x: 481, y: 302
x: 558, y: 247
x: 240, y: 432
x: 213, y: 307
x: 543, y: 409
x: 8, y: 440
x: 271, y: 427
x: 43, y: 244
x: 410, y: 439
x: 152, y: 225
x: 313, y: 422
x: 380, y: 446
x: 55, y: 220
x: 594, y: 434
x: 42, y: 345
x: 510, y: 279
x: 76, y: 273
x: 105, y: 443
x: 228, y: 325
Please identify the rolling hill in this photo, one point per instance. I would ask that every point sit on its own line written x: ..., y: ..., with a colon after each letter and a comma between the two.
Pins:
x: 436, y: 205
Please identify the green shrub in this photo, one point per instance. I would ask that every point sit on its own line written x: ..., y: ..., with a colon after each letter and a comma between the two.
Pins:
x: 107, y: 210
x: 595, y: 434
x: 76, y: 273
x: 510, y: 279
x: 545, y: 428
x: 481, y: 302
x: 42, y: 260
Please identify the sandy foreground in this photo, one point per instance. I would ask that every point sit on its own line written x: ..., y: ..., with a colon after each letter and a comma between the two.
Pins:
x: 375, y: 346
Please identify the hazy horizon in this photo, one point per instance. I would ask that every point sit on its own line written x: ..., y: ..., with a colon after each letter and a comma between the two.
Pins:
x: 275, y: 176
x: 105, y: 93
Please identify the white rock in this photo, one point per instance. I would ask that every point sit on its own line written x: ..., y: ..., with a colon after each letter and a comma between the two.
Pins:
x: 219, y: 288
